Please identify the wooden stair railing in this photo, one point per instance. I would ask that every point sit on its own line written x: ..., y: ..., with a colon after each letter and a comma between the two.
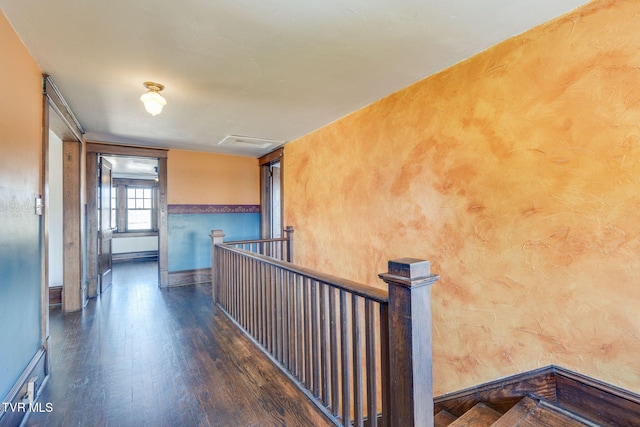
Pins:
x: 280, y: 248
x: 361, y: 353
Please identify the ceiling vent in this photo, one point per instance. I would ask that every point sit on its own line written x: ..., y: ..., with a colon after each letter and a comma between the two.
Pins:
x: 249, y: 142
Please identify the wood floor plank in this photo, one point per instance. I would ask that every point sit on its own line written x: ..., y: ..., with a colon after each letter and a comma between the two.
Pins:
x: 139, y: 355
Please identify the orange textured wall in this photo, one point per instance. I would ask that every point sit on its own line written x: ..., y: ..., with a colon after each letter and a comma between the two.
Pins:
x: 206, y: 178
x: 517, y: 173
x: 20, y: 114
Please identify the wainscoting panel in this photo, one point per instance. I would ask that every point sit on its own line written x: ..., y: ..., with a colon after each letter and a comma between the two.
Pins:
x: 189, y: 277
x: 189, y: 227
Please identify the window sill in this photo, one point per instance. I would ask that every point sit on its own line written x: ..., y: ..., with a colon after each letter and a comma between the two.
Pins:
x: 134, y: 234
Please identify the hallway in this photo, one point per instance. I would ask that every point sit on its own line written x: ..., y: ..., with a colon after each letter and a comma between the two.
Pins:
x: 139, y: 355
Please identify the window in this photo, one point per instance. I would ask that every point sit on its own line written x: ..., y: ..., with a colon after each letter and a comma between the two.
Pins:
x: 139, y: 208
x: 114, y: 206
x: 134, y: 205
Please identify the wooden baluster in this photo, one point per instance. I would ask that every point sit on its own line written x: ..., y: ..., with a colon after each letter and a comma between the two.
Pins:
x: 346, y: 351
x: 245, y: 294
x: 250, y: 301
x: 242, y: 289
x: 410, y: 357
x: 274, y: 312
x: 307, y: 333
x: 333, y: 339
x: 256, y: 300
x: 269, y: 310
x: 267, y: 306
x: 217, y: 236
x: 263, y: 303
x: 372, y: 355
x: 291, y: 322
x: 325, y: 348
x: 230, y: 282
x: 231, y: 287
x: 385, y: 369
x: 314, y: 337
x: 236, y: 299
x: 282, y: 316
x: 278, y: 312
x: 236, y: 281
x: 222, y: 280
x: 299, y: 329
x: 230, y: 278
x: 356, y: 314
x: 286, y: 321
x: 219, y: 277
x: 294, y: 325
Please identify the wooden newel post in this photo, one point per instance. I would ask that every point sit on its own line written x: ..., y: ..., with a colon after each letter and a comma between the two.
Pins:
x: 217, y: 236
x: 410, y: 358
x: 289, y: 235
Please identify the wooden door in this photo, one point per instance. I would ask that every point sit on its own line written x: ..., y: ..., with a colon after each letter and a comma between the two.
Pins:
x: 106, y: 231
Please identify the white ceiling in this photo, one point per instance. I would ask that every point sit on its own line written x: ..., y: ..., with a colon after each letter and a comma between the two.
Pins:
x: 275, y: 69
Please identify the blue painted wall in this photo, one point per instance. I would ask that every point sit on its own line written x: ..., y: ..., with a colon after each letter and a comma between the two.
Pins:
x: 20, y: 302
x: 189, y: 241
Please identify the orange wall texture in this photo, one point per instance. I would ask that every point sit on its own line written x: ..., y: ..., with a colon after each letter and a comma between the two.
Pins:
x: 20, y: 114
x: 517, y: 174
x: 206, y: 178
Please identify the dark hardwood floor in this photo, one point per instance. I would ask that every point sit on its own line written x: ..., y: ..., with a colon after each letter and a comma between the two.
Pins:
x: 141, y: 356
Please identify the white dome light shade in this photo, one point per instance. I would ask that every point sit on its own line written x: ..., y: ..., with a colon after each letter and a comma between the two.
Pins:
x: 153, y: 101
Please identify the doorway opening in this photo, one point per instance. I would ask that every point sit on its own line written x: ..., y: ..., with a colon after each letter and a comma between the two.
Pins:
x: 133, y: 209
x: 126, y: 210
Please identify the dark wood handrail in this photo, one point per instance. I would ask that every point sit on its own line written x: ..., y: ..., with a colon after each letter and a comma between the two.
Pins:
x: 246, y: 242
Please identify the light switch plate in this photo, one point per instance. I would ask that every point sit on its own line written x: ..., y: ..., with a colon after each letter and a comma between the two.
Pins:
x: 39, y: 205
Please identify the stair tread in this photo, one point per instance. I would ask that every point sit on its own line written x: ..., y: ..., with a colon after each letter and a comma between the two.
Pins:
x: 534, y: 413
x: 478, y: 416
x: 443, y: 418
x: 550, y: 416
x: 514, y: 415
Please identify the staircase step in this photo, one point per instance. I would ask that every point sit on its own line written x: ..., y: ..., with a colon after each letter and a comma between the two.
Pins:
x: 478, y: 416
x: 443, y: 418
x: 532, y: 413
x: 514, y: 415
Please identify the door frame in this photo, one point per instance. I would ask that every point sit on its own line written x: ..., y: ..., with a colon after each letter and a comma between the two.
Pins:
x: 95, y: 149
x: 58, y: 117
x: 266, y: 205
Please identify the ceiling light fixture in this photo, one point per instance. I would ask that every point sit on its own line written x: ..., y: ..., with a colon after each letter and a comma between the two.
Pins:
x: 153, y: 101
